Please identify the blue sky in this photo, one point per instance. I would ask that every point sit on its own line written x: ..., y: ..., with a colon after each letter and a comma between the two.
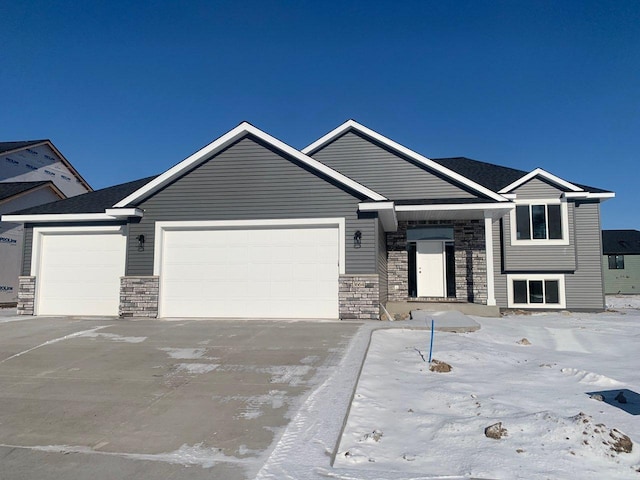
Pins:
x: 127, y: 89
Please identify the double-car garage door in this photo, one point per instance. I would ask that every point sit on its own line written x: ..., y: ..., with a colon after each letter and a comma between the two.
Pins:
x: 250, y: 272
x: 267, y: 271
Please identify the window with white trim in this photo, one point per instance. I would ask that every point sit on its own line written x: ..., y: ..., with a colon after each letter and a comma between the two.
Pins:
x: 536, y: 291
x: 540, y: 222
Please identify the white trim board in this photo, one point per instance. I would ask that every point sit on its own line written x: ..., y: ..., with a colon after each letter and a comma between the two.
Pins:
x: 564, y: 215
x: 538, y: 172
x: 537, y: 276
x: 427, y: 162
x: 224, y: 141
x: 109, y: 214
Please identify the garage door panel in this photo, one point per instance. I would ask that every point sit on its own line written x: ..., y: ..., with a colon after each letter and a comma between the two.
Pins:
x: 261, y: 272
x: 79, y: 273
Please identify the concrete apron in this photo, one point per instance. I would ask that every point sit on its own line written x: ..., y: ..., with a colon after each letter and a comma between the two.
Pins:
x: 447, y: 321
x: 106, y: 398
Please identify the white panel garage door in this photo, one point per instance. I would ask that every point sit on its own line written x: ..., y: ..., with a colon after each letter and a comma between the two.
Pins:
x: 79, y: 274
x: 250, y: 272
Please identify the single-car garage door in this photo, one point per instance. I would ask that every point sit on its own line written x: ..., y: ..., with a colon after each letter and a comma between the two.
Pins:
x: 78, y: 273
x: 267, y: 272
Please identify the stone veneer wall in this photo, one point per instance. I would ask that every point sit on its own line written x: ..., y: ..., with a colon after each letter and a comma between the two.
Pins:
x: 470, y: 260
x: 139, y: 296
x: 26, y: 295
x: 359, y: 296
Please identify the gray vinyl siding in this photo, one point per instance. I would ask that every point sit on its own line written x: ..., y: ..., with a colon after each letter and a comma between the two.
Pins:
x: 382, y: 262
x: 249, y: 181
x: 584, y: 288
x: 537, y: 188
x: 583, y: 285
x: 540, y: 257
x: 385, y: 172
x: 622, y: 281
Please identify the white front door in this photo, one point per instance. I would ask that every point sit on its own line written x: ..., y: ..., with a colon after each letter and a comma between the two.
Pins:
x: 430, y: 268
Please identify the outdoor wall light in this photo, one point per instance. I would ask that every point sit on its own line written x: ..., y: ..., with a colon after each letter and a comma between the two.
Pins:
x: 357, y: 239
x: 140, y: 239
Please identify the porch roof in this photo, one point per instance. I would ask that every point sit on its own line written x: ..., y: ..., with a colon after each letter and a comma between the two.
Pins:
x: 391, y: 212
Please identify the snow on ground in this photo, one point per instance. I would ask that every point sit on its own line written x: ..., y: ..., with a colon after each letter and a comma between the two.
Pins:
x: 406, y: 422
x: 623, y: 301
x: 405, y: 418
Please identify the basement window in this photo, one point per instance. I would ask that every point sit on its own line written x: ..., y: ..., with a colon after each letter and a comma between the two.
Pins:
x: 536, y: 291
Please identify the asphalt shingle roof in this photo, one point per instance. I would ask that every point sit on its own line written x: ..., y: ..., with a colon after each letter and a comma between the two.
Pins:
x: 620, y: 242
x: 493, y: 177
x: 91, y: 202
x: 9, y: 189
x: 9, y: 146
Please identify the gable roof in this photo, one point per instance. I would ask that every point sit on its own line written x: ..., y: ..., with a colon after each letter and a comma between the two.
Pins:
x: 404, y: 151
x: 226, y: 140
x: 539, y: 172
x: 91, y: 202
x: 10, y: 147
x: 620, y: 242
x: 12, y: 189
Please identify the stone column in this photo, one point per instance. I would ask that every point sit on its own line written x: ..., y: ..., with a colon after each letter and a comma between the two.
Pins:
x: 139, y: 296
x: 359, y: 296
x: 26, y: 295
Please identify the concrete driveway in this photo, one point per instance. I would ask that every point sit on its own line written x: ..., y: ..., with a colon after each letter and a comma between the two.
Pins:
x: 108, y: 398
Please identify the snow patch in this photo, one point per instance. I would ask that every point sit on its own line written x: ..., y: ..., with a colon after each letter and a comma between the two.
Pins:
x: 186, y: 455
x: 196, y: 368
x: 591, y: 378
x: 114, y: 337
x: 185, y: 353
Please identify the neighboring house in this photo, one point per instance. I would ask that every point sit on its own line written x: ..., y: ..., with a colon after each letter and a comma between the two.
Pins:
x: 621, y: 261
x: 251, y: 227
x: 31, y: 173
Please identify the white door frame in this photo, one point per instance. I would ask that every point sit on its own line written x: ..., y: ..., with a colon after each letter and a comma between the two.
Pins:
x: 427, y: 284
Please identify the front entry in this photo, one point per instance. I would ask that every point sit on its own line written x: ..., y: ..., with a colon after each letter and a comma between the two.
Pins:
x: 431, y: 274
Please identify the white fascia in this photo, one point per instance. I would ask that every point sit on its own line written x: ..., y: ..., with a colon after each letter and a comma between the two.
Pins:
x: 124, y: 212
x: 589, y: 195
x: 499, y: 208
x: 352, y: 124
x: 224, y: 141
x: 110, y: 214
x: 544, y: 174
x: 386, y: 213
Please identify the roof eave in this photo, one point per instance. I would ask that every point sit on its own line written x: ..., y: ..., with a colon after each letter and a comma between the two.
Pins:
x: 110, y: 214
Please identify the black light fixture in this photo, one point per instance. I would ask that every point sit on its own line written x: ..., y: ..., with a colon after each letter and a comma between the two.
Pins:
x: 140, y: 239
x: 357, y: 239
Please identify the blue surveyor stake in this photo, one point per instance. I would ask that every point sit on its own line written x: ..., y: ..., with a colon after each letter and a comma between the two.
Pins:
x: 431, y: 346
